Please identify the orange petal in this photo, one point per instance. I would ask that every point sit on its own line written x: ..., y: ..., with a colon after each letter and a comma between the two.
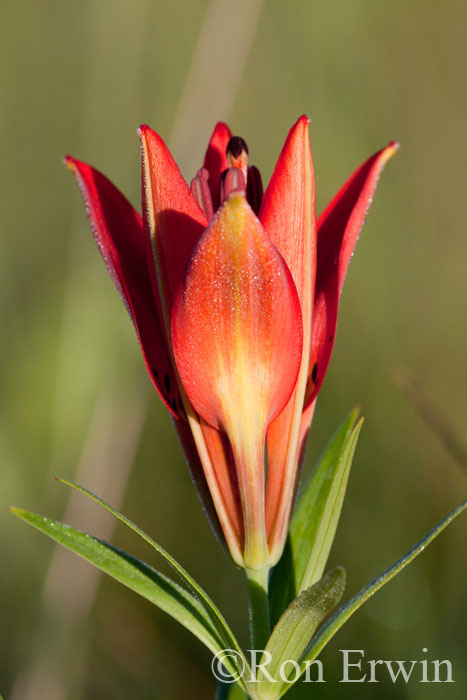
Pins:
x: 288, y: 215
x: 226, y: 484
x: 215, y: 160
x: 288, y: 210
x: 173, y: 220
x: 237, y: 341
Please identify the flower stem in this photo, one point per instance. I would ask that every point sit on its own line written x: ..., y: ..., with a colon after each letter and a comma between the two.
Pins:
x: 258, y: 580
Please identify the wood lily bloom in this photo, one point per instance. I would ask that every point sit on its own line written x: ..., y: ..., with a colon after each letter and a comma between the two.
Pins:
x: 234, y: 297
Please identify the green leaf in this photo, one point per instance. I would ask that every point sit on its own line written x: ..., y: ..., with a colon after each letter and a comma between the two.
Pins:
x: 132, y: 572
x: 213, y: 613
x: 296, y: 627
x: 329, y: 629
x: 314, y: 522
x: 160, y: 590
x: 229, y: 691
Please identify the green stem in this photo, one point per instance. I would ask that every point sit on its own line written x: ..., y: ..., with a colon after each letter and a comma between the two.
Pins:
x: 260, y: 630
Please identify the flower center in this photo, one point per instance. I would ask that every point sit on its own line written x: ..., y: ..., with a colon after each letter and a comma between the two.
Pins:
x: 238, y: 177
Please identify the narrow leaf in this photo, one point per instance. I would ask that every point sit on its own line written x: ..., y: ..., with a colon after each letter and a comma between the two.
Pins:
x: 329, y: 629
x: 295, y: 628
x: 134, y: 574
x: 212, y: 612
x: 315, y: 519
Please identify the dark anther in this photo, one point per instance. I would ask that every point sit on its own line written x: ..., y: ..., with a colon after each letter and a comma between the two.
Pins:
x: 236, y: 147
x: 314, y: 373
x: 167, y: 383
x: 254, y: 188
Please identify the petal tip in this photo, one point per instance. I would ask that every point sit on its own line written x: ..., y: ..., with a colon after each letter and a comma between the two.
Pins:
x: 70, y: 162
x: 144, y: 130
x: 222, y: 126
x: 388, y: 152
x: 391, y: 149
x: 151, y: 137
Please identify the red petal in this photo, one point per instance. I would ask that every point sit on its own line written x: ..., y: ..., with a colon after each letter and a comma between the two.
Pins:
x: 197, y: 474
x: 215, y: 160
x: 288, y: 215
x: 288, y: 211
x: 237, y: 313
x: 118, y: 232
x: 338, y: 229
x: 237, y: 341
x: 226, y: 483
x: 174, y: 223
x: 173, y: 219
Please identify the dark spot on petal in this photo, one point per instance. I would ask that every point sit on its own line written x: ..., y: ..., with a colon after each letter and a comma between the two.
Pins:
x: 174, y: 405
x: 167, y: 383
x: 330, y: 339
x: 155, y: 373
x: 314, y: 373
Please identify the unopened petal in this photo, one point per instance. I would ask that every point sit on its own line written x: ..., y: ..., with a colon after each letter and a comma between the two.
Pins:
x: 215, y: 160
x: 288, y: 215
x: 237, y: 340
x: 174, y: 221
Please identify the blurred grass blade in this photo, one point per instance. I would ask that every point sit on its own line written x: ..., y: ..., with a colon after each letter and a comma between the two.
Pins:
x: 213, y: 613
x: 160, y: 590
x: 432, y: 414
x: 334, y: 623
x: 314, y: 522
x: 296, y: 627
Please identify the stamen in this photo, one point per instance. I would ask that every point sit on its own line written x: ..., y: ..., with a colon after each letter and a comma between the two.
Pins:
x: 201, y: 192
x: 232, y: 182
x: 254, y: 189
x: 237, y: 154
x: 236, y: 147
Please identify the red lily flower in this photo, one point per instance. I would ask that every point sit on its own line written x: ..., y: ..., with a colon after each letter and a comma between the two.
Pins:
x: 234, y: 297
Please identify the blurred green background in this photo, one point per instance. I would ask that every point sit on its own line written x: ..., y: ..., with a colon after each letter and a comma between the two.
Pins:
x: 76, y: 402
